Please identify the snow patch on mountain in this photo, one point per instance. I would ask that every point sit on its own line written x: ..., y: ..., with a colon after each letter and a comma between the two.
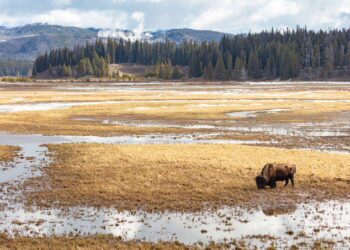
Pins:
x: 125, y: 34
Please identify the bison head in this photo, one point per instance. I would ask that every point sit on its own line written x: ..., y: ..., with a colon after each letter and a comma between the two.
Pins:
x: 292, y: 169
x: 260, y: 182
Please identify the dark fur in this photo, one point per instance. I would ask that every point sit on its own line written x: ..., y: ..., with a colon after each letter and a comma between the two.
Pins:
x: 273, y: 172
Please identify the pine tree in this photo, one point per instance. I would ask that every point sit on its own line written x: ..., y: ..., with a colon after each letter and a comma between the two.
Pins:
x: 81, y: 69
x: 244, y: 74
x: 210, y: 71
x: 229, y: 71
x: 271, y: 66
x: 253, y: 65
x: 35, y: 71
x: 168, y: 71
x: 237, y: 73
x: 178, y: 73
x: 105, y: 67
x: 329, y: 62
x: 50, y: 70
x: 347, y: 55
x: 220, y: 72
x: 196, y: 67
x: 66, y: 70
x: 89, y: 71
x: 316, y: 58
x: 341, y: 57
x: 69, y: 70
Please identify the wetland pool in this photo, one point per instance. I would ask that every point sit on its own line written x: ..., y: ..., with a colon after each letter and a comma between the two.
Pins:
x: 288, y: 225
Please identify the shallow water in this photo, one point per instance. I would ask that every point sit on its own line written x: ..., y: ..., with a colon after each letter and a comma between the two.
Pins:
x: 161, y: 87
x: 332, y: 219
x: 329, y: 220
x: 150, y: 124
x: 298, y: 130
x: 228, y: 223
x: 327, y: 129
x: 12, y: 108
x: 321, y: 136
x: 253, y: 114
x: 45, y: 106
x: 243, y: 114
x: 31, y: 146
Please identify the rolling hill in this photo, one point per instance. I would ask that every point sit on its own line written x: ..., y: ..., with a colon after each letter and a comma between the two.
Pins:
x: 26, y: 42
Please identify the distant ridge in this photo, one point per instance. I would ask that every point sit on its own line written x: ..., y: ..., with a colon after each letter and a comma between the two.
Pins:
x: 26, y: 42
x: 174, y: 35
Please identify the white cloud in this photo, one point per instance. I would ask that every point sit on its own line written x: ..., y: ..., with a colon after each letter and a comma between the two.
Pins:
x: 138, y: 16
x: 275, y: 8
x: 232, y: 16
x: 246, y: 15
x: 210, y: 18
x: 72, y: 17
x: 331, y: 15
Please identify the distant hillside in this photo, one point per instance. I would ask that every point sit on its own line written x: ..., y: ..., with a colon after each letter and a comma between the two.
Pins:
x: 181, y: 35
x: 299, y: 53
x: 174, y: 35
x: 26, y: 42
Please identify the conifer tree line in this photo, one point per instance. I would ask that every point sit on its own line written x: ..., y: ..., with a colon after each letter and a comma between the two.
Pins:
x: 15, y: 67
x: 90, y: 59
x: 268, y: 54
x: 165, y: 71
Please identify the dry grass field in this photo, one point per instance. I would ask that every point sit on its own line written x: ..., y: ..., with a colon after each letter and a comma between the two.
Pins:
x: 181, y: 177
x: 109, y: 242
x: 77, y: 189
x: 167, y: 109
x: 8, y: 153
x: 86, y: 243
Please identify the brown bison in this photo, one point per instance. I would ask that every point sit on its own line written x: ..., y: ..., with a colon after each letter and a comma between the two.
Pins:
x: 273, y: 172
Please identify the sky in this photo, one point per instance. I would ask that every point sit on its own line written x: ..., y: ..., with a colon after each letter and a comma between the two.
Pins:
x: 231, y: 16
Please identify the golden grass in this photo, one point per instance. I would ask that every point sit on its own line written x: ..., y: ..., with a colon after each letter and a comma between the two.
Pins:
x: 8, y: 153
x: 109, y: 242
x: 164, y: 107
x: 181, y: 177
x: 91, y: 243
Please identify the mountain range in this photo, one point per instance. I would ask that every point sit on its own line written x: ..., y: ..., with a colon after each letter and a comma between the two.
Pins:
x: 26, y: 42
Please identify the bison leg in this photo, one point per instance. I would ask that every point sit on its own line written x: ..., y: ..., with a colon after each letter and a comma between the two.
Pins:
x: 292, y: 180
x: 273, y: 184
x: 286, y: 183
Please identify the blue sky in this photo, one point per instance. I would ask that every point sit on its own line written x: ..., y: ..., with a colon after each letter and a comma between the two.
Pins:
x: 233, y: 16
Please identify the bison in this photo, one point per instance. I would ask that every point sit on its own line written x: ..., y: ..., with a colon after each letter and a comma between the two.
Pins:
x: 273, y: 172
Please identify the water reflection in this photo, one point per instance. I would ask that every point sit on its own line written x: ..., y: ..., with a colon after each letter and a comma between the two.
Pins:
x: 330, y: 220
x: 279, y: 209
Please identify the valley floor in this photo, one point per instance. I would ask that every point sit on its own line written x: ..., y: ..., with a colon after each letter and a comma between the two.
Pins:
x: 158, y: 178
x: 120, y: 165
